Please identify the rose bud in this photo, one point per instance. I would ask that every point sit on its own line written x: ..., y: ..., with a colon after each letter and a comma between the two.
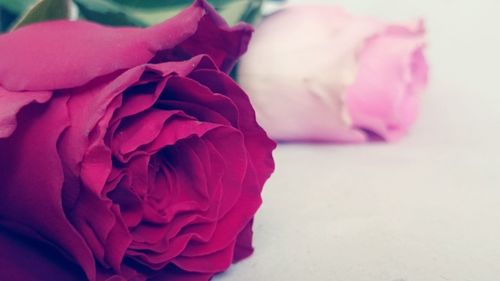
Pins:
x: 127, y: 153
x: 316, y: 73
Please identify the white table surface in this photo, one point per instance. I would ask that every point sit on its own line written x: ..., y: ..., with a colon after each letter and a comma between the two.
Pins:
x: 424, y: 209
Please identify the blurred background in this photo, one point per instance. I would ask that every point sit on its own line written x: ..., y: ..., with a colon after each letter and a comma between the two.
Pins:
x: 422, y: 209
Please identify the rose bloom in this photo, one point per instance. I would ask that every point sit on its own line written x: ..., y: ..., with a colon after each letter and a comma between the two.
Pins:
x: 127, y: 153
x: 316, y: 73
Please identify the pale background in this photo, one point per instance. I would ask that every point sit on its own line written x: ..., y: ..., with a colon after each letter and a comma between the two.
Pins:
x: 424, y: 209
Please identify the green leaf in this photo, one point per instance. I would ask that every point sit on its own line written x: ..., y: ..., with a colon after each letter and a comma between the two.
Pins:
x: 152, y: 4
x: 6, y: 19
x: 150, y: 12
x: 16, y: 7
x: 253, y: 13
x: 45, y: 10
x: 176, y: 4
x: 127, y: 13
x: 106, y: 12
x: 240, y: 10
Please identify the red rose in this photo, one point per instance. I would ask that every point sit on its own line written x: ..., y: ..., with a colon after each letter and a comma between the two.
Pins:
x: 126, y: 153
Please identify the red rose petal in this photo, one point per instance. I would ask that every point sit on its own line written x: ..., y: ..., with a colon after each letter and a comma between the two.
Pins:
x: 11, y: 103
x: 215, y: 262
x: 30, y: 163
x: 90, y: 50
x: 258, y: 144
x: 23, y: 259
x: 243, y: 247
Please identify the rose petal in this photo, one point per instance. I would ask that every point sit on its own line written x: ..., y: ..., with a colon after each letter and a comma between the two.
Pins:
x: 30, y: 163
x: 11, y: 103
x: 140, y: 129
x: 243, y: 247
x: 215, y: 262
x: 259, y: 146
x: 385, y: 101
x: 82, y: 151
x: 90, y: 50
x: 100, y: 223
x: 309, y: 65
x: 233, y: 222
x: 188, y: 90
x: 24, y: 259
x: 175, y: 274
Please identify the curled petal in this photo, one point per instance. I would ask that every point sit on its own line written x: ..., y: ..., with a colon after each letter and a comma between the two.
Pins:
x: 12, y: 102
x: 386, y: 101
x: 259, y: 146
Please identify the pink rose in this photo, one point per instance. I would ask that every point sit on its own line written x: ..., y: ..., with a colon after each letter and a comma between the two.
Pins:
x: 126, y: 153
x: 315, y: 73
